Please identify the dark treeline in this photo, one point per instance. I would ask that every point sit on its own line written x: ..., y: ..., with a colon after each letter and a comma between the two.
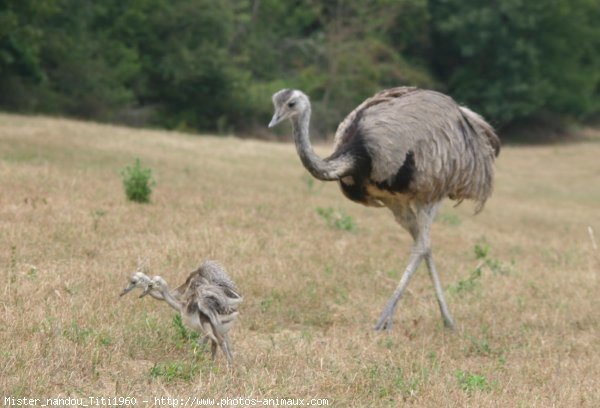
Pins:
x: 212, y: 65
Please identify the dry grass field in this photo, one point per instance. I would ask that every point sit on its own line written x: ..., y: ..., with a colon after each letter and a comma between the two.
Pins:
x: 522, y: 277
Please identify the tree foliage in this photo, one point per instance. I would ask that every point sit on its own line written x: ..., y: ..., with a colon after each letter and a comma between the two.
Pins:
x: 212, y: 65
x: 517, y: 58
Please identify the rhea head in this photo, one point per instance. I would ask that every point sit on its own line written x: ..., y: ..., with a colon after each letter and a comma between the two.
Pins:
x: 137, y: 280
x: 289, y: 104
x: 157, y: 283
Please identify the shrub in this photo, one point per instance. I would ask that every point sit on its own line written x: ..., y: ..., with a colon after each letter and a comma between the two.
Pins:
x: 138, y: 182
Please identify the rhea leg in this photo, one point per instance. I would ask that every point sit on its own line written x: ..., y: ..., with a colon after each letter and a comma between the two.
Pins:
x: 213, y: 349
x: 439, y: 292
x: 431, y: 210
x: 222, y: 340
x: 226, y: 348
x: 385, y: 320
x: 408, y: 219
x: 418, y: 223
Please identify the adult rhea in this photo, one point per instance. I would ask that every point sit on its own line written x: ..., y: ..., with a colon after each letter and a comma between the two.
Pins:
x: 405, y: 149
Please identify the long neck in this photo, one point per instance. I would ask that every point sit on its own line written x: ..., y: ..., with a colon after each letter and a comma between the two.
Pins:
x: 314, y: 164
x: 164, y: 289
x: 156, y: 295
x: 153, y: 293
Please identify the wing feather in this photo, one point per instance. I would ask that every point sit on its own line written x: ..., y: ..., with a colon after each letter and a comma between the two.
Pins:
x: 422, y: 144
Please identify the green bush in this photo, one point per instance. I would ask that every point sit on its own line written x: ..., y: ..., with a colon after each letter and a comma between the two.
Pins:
x: 138, y: 182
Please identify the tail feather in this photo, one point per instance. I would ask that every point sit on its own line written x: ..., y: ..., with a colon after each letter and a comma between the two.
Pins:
x: 480, y: 124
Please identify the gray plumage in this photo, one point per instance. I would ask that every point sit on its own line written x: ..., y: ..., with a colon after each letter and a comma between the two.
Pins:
x: 208, y: 301
x: 406, y: 149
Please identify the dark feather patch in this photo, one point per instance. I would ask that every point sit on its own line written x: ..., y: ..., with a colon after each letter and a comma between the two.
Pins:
x: 353, y: 146
x: 361, y: 170
x: 356, y: 192
x: 401, y: 181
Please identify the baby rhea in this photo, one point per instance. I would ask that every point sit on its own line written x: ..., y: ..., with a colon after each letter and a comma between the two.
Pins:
x: 207, y: 301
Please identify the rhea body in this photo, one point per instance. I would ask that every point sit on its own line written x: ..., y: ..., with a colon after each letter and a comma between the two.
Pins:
x: 207, y: 301
x: 406, y: 149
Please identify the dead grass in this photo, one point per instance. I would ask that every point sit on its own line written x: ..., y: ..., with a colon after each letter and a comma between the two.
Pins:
x: 528, y: 324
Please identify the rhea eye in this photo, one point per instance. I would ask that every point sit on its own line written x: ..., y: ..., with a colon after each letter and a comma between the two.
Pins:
x: 291, y: 104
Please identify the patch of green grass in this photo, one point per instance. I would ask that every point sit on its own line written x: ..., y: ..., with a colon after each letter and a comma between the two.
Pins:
x: 77, y: 333
x: 12, y: 263
x: 520, y: 303
x: 389, y: 381
x: 311, y: 185
x: 467, y: 285
x: 18, y: 391
x: 479, y: 345
x: 71, y: 289
x: 187, y: 338
x: 318, y: 318
x: 105, y: 340
x: 96, y: 216
x: 337, y: 219
x: 18, y: 157
x: 84, y: 335
x: 498, y: 267
x: 387, y: 342
x: 138, y: 182
x: 448, y: 219
x: 470, y: 284
x: 175, y: 370
x: 271, y: 302
x: 472, y: 382
x: 341, y: 295
x: 266, y: 303
x: 311, y: 291
x: 481, y: 250
x: 310, y: 182
x: 32, y: 273
x: 182, y: 331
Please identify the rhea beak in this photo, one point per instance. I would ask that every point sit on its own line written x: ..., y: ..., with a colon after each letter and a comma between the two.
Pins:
x: 146, y: 291
x: 127, y: 289
x: 277, y: 117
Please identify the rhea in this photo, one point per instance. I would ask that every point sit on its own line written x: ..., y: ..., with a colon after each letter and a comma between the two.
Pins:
x: 207, y: 301
x: 406, y: 149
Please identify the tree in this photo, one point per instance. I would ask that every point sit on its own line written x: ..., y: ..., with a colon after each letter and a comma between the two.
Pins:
x: 21, y: 38
x: 515, y: 59
x: 339, y: 52
x: 212, y: 65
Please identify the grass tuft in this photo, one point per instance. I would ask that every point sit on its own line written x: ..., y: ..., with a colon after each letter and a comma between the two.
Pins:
x: 467, y: 285
x: 138, y: 182
x: 175, y: 370
x: 337, y: 219
x: 472, y: 382
x: 182, y: 331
